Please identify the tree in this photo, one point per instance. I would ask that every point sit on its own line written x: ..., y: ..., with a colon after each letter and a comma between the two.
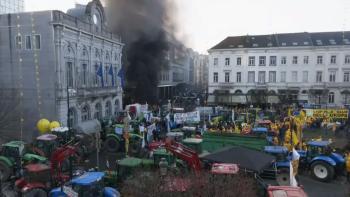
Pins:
x: 151, y: 184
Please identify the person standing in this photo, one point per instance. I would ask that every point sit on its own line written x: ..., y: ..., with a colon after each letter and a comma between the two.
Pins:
x: 347, y: 164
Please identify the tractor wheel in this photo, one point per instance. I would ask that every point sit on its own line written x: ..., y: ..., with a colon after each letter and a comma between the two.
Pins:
x: 5, y: 171
x: 135, y: 147
x: 322, y: 171
x: 112, y: 144
x: 282, y: 177
x: 35, y: 193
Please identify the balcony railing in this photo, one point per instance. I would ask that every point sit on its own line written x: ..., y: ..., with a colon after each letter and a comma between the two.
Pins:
x: 90, y: 92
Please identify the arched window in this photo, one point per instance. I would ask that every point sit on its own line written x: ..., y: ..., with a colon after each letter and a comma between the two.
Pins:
x: 72, y: 117
x: 116, y: 107
x: 85, y: 113
x: 108, y: 109
x: 98, y: 111
x: 331, y: 98
x: 238, y: 92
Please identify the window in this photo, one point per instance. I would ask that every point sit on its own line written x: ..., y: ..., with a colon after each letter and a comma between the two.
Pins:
x: 319, y: 59
x: 108, y: 109
x: 216, y: 77
x: 261, y: 77
x: 331, y: 97
x: 283, y: 76
x: 18, y: 42
x: 294, y: 76
x: 72, y: 119
x: 272, y: 60
x: 251, y: 61
x: 319, y: 76
x: 295, y: 60
x: 227, y: 61
x: 332, y: 75
x: 239, y: 77
x: 70, y: 74
x: 28, y: 42
x: 85, y: 113
x: 227, y: 77
x: 37, y: 42
x: 251, y: 77
x: 84, y: 74
x: 116, y: 107
x: 333, y: 59
x: 98, y: 111
x: 347, y: 59
x: 216, y: 61
x: 306, y: 59
x: 272, y: 76
x: 284, y: 60
x: 262, y: 60
x: 346, y: 76
x: 239, y: 61
x: 305, y: 76
x: 95, y: 75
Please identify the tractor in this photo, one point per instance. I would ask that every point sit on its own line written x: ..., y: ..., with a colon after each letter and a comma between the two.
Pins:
x: 321, y: 160
x: 280, y: 168
x: 13, y: 155
x: 45, y: 144
x: 114, y: 140
x: 90, y: 184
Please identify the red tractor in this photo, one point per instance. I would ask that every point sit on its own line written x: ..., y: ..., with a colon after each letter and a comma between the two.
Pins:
x: 38, y: 179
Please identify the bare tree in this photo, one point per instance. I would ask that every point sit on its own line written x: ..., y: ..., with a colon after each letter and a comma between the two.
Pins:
x: 151, y: 184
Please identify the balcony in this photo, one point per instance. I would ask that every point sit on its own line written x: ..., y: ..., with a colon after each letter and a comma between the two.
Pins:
x: 90, y: 92
x: 261, y: 85
x: 227, y: 84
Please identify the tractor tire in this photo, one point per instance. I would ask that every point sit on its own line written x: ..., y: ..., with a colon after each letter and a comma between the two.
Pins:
x: 283, y: 177
x: 135, y: 147
x: 5, y: 170
x: 35, y: 193
x: 112, y: 145
x: 322, y: 171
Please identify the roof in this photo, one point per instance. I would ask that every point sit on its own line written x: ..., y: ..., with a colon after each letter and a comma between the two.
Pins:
x: 286, y: 40
x: 88, y: 178
x: 319, y: 143
x: 275, y: 149
x: 246, y: 159
x: 14, y: 144
x: 47, y: 137
x: 287, y: 191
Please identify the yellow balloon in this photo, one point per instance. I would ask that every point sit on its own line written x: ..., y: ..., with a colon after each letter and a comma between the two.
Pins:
x: 43, y: 125
x: 54, y: 124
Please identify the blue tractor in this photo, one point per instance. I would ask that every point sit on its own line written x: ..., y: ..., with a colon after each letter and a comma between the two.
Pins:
x: 323, y: 162
x: 90, y: 184
x: 280, y: 168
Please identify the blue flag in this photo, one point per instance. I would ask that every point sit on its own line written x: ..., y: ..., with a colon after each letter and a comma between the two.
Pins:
x: 111, y: 73
x: 100, y: 74
x: 122, y: 76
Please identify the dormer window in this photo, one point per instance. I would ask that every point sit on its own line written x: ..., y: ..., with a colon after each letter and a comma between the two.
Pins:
x: 306, y: 43
x: 295, y: 44
x: 284, y: 44
x: 319, y: 42
x: 332, y: 41
x: 255, y: 45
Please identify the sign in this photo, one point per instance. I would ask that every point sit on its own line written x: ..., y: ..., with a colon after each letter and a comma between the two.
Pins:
x: 69, y: 192
x: 187, y: 117
x: 330, y: 113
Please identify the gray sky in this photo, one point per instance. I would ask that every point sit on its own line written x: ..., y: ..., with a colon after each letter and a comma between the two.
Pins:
x: 204, y: 23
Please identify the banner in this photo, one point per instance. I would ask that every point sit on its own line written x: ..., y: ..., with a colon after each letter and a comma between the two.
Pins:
x: 330, y: 113
x: 187, y: 117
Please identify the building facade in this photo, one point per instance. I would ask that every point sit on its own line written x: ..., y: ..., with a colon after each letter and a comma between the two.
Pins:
x: 201, y: 71
x: 11, y: 6
x: 297, y: 68
x: 50, y: 55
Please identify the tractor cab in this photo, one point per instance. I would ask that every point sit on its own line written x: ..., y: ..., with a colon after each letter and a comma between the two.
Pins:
x: 62, y: 134
x: 279, y: 169
x: 36, y: 179
x: 90, y: 184
x: 45, y: 144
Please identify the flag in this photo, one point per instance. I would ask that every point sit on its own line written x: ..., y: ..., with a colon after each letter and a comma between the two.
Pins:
x: 122, y: 76
x: 111, y: 73
x: 100, y: 74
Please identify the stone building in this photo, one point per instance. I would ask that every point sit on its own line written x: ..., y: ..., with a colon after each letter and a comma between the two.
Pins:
x: 49, y: 55
x: 300, y: 68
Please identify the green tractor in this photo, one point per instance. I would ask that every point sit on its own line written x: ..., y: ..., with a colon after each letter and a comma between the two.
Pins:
x: 13, y: 155
x: 115, y: 142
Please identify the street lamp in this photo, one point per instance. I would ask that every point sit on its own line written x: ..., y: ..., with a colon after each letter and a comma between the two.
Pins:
x: 69, y: 91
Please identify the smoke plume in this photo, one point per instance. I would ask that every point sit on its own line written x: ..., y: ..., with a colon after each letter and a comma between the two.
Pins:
x: 145, y: 26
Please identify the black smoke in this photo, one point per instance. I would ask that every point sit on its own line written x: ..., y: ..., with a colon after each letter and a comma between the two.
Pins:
x: 145, y: 26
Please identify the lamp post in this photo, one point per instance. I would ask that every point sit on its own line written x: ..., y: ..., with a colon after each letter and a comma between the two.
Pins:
x: 69, y: 91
